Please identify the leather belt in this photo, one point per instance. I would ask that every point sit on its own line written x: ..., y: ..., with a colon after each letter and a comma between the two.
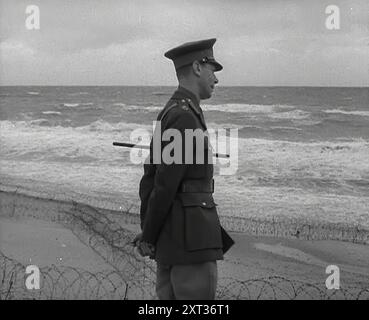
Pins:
x: 197, y: 186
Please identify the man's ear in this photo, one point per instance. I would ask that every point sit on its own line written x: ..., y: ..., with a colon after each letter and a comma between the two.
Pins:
x: 196, y: 67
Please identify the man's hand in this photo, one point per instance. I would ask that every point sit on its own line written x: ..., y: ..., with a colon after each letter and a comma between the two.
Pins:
x: 146, y: 249
x: 137, y: 240
x: 143, y: 248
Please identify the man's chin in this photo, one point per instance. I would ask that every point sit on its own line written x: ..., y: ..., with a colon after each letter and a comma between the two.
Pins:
x: 206, y: 96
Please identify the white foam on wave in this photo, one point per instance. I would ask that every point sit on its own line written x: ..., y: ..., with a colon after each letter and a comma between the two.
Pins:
x: 338, y: 160
x: 33, y: 93
x: 295, y: 164
x: 144, y: 108
x: 51, y: 112
x: 216, y: 126
x: 139, y: 108
x: 100, y: 126
x: 80, y: 106
x: 104, y: 126
x: 270, y: 158
x: 259, y: 160
x: 36, y: 141
x: 71, y: 105
x: 293, y: 115
x: 353, y: 112
x: 244, y: 108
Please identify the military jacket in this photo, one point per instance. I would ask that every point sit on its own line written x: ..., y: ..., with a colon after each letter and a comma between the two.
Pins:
x: 178, y: 212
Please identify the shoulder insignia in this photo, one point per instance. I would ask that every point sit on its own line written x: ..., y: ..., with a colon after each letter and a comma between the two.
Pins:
x: 193, y: 106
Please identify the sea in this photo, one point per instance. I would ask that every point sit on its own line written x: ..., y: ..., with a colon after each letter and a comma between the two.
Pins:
x: 302, y: 151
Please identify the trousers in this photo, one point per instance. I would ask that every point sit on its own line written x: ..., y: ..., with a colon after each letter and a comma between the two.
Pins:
x: 196, y: 281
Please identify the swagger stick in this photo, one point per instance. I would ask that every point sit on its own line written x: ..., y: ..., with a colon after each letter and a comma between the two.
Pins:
x: 132, y: 145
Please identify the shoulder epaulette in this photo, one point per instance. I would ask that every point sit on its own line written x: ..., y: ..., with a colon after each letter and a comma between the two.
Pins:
x: 179, y: 103
x: 193, y: 106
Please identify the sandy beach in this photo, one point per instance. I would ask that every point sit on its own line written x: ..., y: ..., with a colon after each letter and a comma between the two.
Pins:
x: 42, y: 232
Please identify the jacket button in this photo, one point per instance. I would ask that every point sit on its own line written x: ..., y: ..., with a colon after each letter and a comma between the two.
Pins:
x: 204, y: 203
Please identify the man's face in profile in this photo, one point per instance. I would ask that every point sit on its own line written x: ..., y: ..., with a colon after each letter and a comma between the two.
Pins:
x: 208, y: 80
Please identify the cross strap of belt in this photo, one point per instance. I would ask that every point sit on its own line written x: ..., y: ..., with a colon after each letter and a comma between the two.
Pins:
x: 197, y: 186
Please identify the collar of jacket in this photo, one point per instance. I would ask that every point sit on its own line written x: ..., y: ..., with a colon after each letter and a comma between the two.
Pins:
x: 184, y: 94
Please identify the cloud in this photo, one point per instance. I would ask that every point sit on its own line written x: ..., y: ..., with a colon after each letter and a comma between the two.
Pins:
x: 279, y: 42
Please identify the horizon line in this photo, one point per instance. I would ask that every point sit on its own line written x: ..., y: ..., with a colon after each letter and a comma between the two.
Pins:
x: 171, y: 86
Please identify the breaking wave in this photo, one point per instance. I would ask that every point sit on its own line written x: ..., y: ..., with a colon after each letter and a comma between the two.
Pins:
x: 353, y: 112
x: 245, y: 108
x: 51, y: 112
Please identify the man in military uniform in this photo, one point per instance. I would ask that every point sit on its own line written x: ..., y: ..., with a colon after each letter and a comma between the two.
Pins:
x: 179, y: 220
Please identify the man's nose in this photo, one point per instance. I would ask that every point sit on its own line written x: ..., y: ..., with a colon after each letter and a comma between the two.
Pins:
x: 215, y: 79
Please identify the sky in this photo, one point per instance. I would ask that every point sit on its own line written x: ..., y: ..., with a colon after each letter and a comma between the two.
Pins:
x: 122, y: 42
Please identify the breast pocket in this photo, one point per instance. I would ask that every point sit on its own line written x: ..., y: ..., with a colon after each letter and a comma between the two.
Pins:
x: 201, y: 222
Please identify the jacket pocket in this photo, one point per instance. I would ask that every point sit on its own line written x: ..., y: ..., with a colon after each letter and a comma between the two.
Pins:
x: 201, y: 222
